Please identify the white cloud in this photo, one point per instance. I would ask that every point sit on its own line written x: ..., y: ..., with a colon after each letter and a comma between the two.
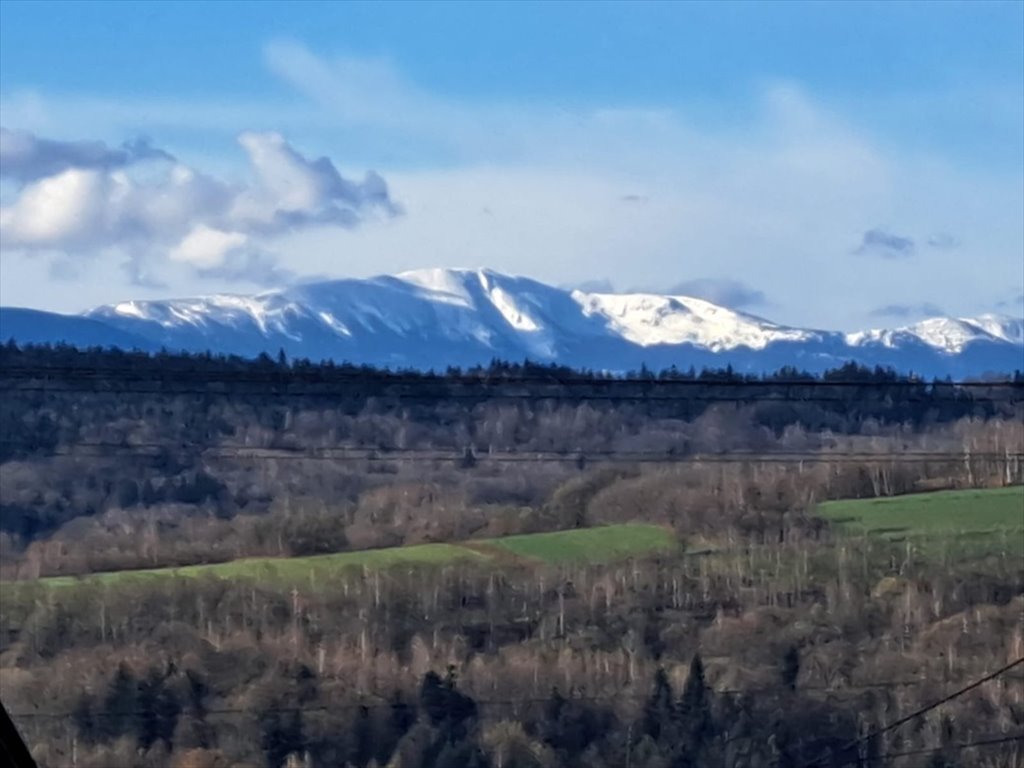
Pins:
x: 61, y: 208
x: 79, y: 210
x: 180, y: 213
x: 293, y: 191
x: 205, y: 247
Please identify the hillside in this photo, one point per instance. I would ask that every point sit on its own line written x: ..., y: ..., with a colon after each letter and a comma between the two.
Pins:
x: 376, y: 566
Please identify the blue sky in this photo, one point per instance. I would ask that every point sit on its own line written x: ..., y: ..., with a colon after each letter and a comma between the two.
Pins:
x: 873, y: 151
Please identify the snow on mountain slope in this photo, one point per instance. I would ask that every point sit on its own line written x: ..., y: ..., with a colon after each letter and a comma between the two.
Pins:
x: 947, y: 334
x: 264, y: 311
x: 472, y: 306
x: 432, y: 318
x: 1003, y: 327
x: 648, y: 319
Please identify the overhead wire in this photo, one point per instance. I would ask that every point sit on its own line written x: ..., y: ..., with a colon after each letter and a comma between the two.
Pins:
x: 323, y: 374
x: 958, y: 747
x: 421, y: 397
x: 399, y: 455
x: 920, y: 712
x: 382, y: 385
x: 381, y: 702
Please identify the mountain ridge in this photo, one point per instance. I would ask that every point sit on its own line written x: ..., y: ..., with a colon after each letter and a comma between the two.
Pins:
x: 433, y: 318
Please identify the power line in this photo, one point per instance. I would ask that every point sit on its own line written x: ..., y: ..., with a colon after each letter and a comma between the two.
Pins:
x: 981, y: 743
x: 21, y: 378
x: 414, y: 455
x: 985, y: 742
x: 511, y: 397
x: 382, y: 703
x: 918, y: 713
x: 340, y: 375
x: 383, y: 451
x: 413, y: 398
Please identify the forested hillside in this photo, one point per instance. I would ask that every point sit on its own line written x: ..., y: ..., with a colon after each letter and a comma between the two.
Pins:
x: 772, y: 635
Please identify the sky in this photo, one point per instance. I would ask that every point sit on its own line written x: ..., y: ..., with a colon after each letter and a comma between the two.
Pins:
x: 833, y: 165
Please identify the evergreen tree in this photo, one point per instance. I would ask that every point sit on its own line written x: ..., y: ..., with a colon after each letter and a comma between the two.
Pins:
x: 695, y: 717
x: 791, y: 667
x: 120, y: 705
x: 158, y: 710
x: 282, y: 734
x: 447, y: 708
x: 468, y: 460
x: 82, y: 716
x: 659, y: 710
x: 463, y: 754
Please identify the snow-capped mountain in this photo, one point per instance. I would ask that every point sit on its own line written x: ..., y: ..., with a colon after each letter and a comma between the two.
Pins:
x: 948, y: 334
x: 438, y: 317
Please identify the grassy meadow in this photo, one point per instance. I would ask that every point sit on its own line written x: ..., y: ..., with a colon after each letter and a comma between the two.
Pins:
x: 968, y: 522
x: 964, y: 523
x: 590, y: 545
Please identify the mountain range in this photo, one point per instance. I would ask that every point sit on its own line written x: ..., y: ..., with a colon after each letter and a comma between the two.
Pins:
x: 433, y: 318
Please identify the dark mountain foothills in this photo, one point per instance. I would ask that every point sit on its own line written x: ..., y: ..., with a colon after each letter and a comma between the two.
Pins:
x: 768, y: 638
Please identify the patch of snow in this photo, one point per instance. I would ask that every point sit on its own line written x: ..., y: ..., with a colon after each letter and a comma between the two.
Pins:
x: 335, y: 325
x: 873, y: 336
x: 130, y: 309
x: 946, y: 334
x: 447, y: 286
x: 1005, y: 327
x: 514, y: 316
x: 185, y: 312
x: 650, y: 319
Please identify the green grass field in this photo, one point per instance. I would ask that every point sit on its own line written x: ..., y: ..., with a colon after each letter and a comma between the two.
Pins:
x: 973, y: 521
x: 968, y: 522
x: 604, y: 544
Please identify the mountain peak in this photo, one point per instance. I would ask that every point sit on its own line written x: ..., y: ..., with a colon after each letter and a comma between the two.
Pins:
x: 948, y: 334
x: 429, y: 318
x: 443, y: 280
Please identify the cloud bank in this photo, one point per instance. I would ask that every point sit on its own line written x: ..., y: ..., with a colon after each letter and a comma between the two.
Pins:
x: 725, y: 292
x: 878, y: 242
x: 78, y: 198
x: 26, y: 157
x: 902, y: 311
